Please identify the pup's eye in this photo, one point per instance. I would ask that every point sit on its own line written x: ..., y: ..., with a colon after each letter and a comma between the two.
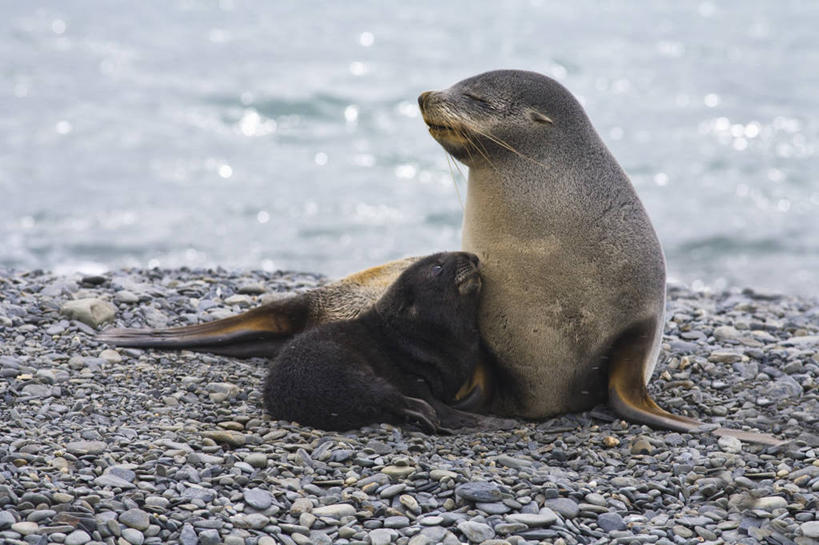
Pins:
x: 436, y: 269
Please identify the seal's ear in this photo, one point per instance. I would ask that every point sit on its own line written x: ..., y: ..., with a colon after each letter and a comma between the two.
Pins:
x: 538, y: 117
x: 407, y: 304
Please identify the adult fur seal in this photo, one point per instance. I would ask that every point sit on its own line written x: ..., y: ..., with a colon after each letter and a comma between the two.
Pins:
x: 574, y: 276
x: 400, y: 360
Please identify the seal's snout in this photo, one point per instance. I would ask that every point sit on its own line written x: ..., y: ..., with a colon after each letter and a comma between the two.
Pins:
x: 423, y: 98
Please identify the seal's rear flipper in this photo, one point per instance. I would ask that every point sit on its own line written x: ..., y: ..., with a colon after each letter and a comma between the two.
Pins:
x: 628, y: 396
x: 258, y: 332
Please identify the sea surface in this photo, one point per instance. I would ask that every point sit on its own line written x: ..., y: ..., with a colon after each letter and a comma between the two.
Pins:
x: 286, y: 135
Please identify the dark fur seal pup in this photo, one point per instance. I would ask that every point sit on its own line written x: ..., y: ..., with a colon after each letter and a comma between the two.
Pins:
x: 571, y: 313
x: 397, y: 362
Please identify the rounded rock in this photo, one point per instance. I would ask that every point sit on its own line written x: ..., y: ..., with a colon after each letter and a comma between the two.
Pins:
x: 730, y: 444
x: 25, y: 528
x: 476, y: 532
x: 209, y: 537
x: 810, y: 529
x: 188, y: 535
x: 77, y: 537
x: 382, y: 536
x: 81, y: 448
x: 336, y: 511
x: 135, y: 518
x: 258, y: 498
x: 133, y: 536
x: 610, y: 522
x: 534, y: 520
x: 256, y: 459
x: 479, y: 491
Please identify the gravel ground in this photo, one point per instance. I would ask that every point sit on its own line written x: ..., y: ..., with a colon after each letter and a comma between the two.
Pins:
x: 133, y: 447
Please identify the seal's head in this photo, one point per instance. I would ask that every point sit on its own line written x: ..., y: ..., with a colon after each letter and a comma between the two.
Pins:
x: 481, y: 118
x: 437, y: 293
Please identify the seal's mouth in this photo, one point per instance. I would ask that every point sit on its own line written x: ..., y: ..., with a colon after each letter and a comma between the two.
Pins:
x: 434, y: 127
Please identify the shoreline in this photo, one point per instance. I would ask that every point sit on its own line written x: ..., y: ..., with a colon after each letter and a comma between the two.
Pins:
x: 130, y: 446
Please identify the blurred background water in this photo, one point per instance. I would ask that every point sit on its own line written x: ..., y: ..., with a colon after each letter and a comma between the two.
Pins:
x: 286, y: 135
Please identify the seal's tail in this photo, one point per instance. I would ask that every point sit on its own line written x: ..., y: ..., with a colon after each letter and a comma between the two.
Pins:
x: 258, y: 332
x: 629, y: 398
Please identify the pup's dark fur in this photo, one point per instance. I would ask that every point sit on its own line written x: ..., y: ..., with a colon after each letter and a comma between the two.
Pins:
x: 401, y: 360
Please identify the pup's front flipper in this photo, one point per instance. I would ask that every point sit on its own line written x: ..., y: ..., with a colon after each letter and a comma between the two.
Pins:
x: 418, y: 411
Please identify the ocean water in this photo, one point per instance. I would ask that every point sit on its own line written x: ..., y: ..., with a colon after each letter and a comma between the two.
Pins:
x: 286, y: 135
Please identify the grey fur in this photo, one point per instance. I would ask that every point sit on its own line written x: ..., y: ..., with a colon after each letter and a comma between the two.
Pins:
x: 570, y: 258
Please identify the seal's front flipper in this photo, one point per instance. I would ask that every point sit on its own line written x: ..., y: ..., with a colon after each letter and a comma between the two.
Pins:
x: 457, y: 421
x: 258, y: 332
x: 628, y: 396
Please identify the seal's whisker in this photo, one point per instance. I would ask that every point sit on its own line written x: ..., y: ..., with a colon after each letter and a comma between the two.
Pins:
x: 449, y: 161
x: 506, y: 145
x: 484, y: 152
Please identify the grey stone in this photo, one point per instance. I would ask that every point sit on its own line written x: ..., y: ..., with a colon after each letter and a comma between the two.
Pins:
x: 135, y: 518
x: 36, y: 390
x: 80, y: 448
x: 479, y: 491
x: 610, y: 522
x: 513, y: 462
x: 25, y: 527
x: 133, y: 536
x: 565, y: 506
x: 257, y: 521
x: 229, y: 437
x: 804, y: 340
x: 726, y: 333
x: 6, y: 520
x: 196, y: 492
x: 721, y: 356
x: 257, y: 459
x: 397, y: 522
x: 476, y: 532
x: 258, y: 498
x: 810, y: 529
x: 382, y: 536
x: 783, y: 387
x: 769, y: 503
x: 544, y: 518
x: 730, y: 444
x: 107, y: 479
x: 209, y: 537
x: 125, y: 296
x: 493, y: 508
x: 77, y: 537
x: 188, y: 535
x: 393, y: 490
x: 337, y: 510
x: 90, y: 311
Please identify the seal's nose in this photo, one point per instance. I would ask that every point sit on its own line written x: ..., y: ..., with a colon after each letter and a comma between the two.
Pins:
x: 422, y: 99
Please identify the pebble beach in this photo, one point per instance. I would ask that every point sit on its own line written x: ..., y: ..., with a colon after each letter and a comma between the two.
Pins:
x: 130, y: 447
